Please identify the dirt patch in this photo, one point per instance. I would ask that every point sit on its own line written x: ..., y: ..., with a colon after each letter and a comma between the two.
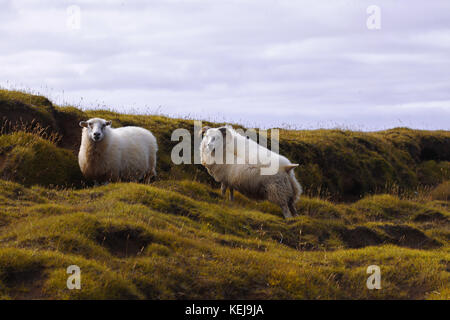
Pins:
x: 123, y: 242
x: 25, y: 285
x: 429, y: 216
x: 433, y: 148
x: 410, y: 237
x: 307, y: 246
x: 69, y: 130
x: 360, y: 237
x: 14, y: 113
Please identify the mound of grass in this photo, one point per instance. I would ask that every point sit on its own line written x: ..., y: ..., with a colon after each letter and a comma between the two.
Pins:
x: 27, y: 275
x: 19, y: 107
x: 391, y: 208
x: 28, y: 159
x: 179, y: 240
x: 441, y: 192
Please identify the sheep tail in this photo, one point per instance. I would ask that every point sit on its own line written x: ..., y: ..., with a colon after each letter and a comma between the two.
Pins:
x: 294, y: 183
x: 291, y: 166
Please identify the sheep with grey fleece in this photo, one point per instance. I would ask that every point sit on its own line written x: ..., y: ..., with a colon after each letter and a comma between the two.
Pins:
x: 116, y: 154
x: 243, y: 174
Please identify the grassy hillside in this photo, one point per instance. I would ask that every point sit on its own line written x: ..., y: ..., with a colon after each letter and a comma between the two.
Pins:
x: 340, y: 164
x: 177, y: 238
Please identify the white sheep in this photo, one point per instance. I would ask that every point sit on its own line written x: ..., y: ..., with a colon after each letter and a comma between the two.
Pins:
x: 244, y: 175
x: 116, y: 154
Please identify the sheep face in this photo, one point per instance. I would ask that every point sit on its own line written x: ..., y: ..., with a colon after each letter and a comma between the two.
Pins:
x: 95, y: 128
x: 214, y: 138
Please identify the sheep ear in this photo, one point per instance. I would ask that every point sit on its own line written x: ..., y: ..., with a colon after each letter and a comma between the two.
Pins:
x: 83, y: 124
x: 108, y: 123
x: 204, y: 129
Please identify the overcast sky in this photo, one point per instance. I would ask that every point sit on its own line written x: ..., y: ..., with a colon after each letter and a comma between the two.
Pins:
x: 265, y: 63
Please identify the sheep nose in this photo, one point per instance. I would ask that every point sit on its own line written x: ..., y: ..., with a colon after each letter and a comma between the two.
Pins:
x: 96, y: 134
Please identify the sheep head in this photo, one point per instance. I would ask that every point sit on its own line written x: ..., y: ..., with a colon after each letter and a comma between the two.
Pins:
x: 203, y: 130
x: 95, y: 128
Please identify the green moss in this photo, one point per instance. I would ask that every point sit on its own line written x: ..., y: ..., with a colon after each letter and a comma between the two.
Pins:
x: 29, y: 159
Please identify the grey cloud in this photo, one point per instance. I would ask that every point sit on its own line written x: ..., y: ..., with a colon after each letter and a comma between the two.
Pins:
x: 273, y: 61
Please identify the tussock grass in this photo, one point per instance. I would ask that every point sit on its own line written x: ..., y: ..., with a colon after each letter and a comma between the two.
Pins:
x: 30, y: 160
x: 441, y: 192
x: 162, y: 242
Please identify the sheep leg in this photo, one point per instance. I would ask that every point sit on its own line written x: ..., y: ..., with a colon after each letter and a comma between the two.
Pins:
x: 286, y: 213
x: 292, y: 207
x: 147, y: 178
x: 231, y: 194
x: 223, y: 188
x: 153, y: 165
